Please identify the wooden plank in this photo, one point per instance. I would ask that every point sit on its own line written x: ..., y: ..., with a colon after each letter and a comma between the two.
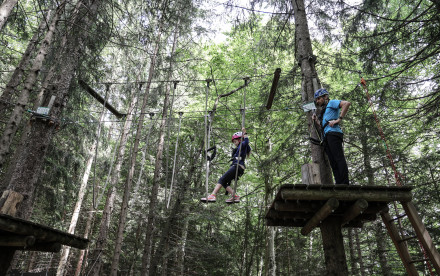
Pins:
x: 401, y: 247
x: 273, y: 89
x: 16, y: 240
x: 422, y: 234
x: 321, y: 215
x: 310, y: 174
x: 355, y: 210
x: 296, y: 206
x: 41, y: 247
x: 347, y: 195
x: 40, y: 232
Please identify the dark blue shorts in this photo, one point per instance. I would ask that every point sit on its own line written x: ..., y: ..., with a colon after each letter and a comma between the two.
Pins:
x: 228, y: 176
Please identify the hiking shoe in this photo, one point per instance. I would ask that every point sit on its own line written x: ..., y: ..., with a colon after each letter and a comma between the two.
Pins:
x: 211, y: 198
x: 236, y: 199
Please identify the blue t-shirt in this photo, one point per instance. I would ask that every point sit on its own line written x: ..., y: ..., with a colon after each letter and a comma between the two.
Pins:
x: 331, y: 113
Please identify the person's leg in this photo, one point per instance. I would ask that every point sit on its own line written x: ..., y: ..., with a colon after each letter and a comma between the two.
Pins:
x: 331, y: 159
x: 337, y: 152
x: 217, y: 188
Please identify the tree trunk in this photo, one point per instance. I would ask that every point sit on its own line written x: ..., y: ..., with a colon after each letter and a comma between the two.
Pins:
x: 156, y: 177
x: 16, y: 78
x: 160, y: 254
x: 359, y: 253
x: 101, y: 240
x: 182, y: 244
x: 18, y: 111
x: 381, y: 250
x: 81, y: 193
x: 25, y: 173
x: 83, y: 253
x: 5, y: 10
x: 305, y: 57
x: 127, y: 189
x: 335, y: 259
x: 354, y: 266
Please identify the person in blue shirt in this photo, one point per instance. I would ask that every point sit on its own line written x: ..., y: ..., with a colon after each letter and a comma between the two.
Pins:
x: 332, y: 113
x: 241, y: 141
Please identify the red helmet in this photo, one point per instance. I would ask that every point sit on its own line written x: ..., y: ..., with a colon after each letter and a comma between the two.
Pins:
x: 236, y: 135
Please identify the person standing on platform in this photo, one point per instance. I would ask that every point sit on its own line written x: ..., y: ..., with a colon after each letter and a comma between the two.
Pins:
x: 331, y: 115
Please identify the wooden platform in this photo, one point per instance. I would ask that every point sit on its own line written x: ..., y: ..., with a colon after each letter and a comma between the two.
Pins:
x: 306, y: 206
x: 20, y: 234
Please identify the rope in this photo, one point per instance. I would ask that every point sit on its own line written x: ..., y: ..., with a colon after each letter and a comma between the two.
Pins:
x: 382, y: 135
x: 243, y: 114
x: 396, y: 173
x: 174, y: 164
x: 207, y: 134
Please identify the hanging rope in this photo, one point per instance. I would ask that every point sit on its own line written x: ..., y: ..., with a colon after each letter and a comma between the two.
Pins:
x: 207, y: 137
x: 243, y: 114
x: 396, y: 173
x: 174, y: 164
x: 382, y: 135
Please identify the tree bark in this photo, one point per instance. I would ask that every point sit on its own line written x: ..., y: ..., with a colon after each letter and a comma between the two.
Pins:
x: 83, y: 253
x: 19, y: 109
x: 16, y: 78
x: 128, y: 183
x: 101, y: 240
x: 5, y: 10
x: 81, y: 193
x: 335, y: 259
x: 27, y: 168
x: 306, y: 59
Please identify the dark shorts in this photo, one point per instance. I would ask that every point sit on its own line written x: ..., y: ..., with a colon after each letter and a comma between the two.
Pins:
x: 228, y: 176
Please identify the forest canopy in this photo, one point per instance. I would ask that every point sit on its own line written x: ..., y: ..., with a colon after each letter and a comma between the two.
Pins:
x: 126, y: 167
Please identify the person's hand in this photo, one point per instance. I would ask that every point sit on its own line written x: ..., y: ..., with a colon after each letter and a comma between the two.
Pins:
x: 243, y: 130
x: 314, y: 117
x: 334, y: 122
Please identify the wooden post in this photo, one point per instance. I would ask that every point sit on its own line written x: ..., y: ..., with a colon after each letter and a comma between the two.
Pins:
x: 321, y: 215
x: 356, y: 209
x: 273, y: 89
x: 310, y: 174
x: 9, y: 202
x: 333, y: 243
x: 8, y: 206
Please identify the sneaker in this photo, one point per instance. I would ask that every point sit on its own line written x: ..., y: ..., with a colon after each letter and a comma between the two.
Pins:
x: 236, y: 199
x: 211, y: 198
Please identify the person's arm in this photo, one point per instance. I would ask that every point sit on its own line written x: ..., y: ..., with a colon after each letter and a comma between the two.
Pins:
x: 344, y: 105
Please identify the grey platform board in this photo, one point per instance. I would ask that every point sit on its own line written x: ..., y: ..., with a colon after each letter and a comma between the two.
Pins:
x: 12, y: 228
x: 295, y: 205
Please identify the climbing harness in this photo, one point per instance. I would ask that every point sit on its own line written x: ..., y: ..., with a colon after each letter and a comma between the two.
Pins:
x: 174, y: 162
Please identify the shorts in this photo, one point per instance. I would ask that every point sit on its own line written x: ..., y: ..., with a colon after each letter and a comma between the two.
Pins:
x: 228, y: 176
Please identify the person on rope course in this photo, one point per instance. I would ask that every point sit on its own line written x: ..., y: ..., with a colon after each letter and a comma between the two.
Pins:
x: 330, y: 117
x: 239, y: 139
